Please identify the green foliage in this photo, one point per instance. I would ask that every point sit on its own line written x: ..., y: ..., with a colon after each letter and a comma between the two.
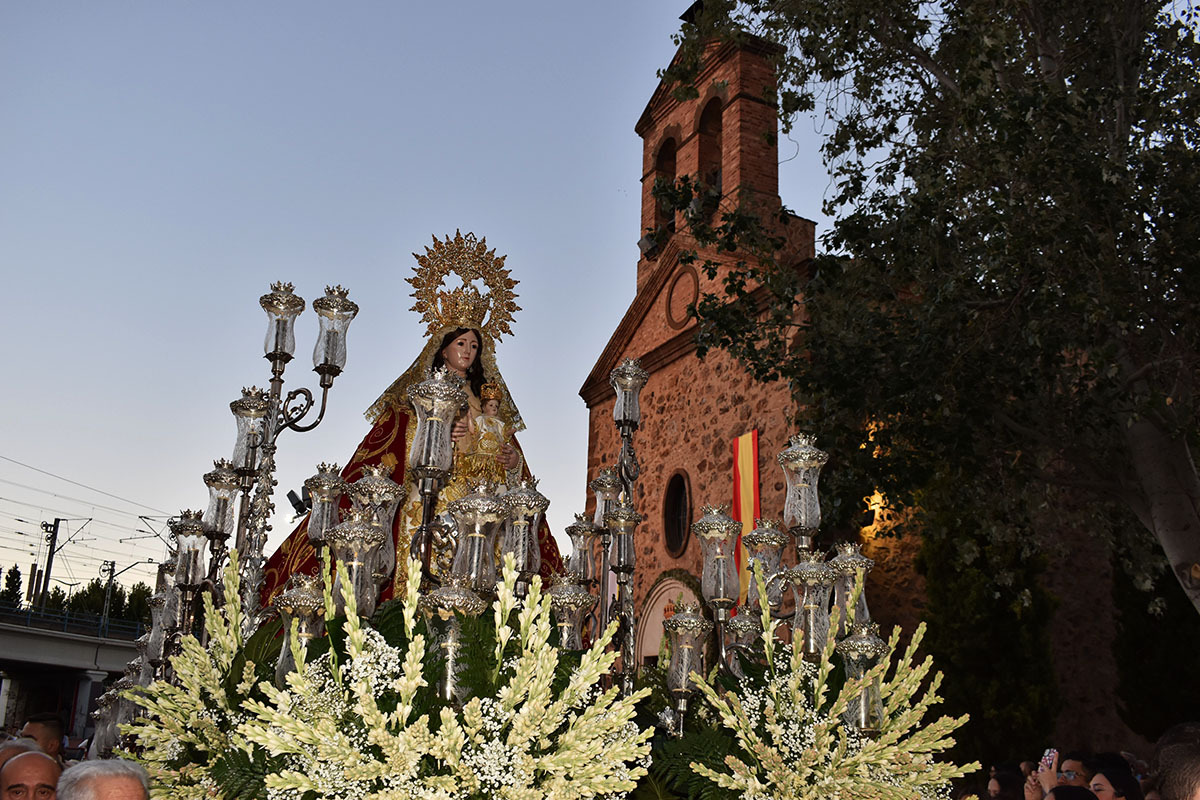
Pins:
x: 702, y: 744
x: 993, y: 639
x: 243, y: 776
x: 90, y: 599
x: 1158, y: 655
x: 137, y: 603
x: 11, y: 595
x: 56, y: 600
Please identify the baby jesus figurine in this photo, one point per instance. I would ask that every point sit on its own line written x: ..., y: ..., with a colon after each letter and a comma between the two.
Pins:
x: 486, y: 439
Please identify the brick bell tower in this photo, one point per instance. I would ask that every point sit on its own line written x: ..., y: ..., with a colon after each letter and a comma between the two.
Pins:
x: 692, y: 411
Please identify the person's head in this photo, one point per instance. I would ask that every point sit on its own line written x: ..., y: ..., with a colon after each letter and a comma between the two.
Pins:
x: 1113, y: 782
x: 1073, y: 770
x: 14, y: 748
x: 29, y: 776
x: 1066, y: 791
x: 1006, y: 785
x: 459, y: 350
x: 1179, y: 771
x: 462, y: 346
x: 490, y: 395
x: 47, y: 731
x: 107, y: 779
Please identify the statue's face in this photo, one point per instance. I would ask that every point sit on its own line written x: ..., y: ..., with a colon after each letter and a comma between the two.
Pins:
x: 491, y: 407
x: 461, y: 353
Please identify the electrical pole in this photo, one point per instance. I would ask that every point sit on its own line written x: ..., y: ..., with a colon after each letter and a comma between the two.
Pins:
x: 109, y: 567
x: 52, y: 540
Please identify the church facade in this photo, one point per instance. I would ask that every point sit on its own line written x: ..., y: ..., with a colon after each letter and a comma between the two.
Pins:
x: 693, y: 410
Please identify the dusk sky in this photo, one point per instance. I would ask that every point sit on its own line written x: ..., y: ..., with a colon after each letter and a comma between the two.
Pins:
x: 162, y: 163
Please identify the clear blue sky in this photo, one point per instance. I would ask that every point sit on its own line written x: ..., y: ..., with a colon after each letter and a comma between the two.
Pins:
x: 162, y: 163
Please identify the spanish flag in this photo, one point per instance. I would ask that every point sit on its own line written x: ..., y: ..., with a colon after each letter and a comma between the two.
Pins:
x: 745, y: 497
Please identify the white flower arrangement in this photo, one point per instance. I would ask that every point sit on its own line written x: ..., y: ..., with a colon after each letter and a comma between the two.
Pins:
x: 189, y: 724
x: 327, y: 735
x: 797, y: 746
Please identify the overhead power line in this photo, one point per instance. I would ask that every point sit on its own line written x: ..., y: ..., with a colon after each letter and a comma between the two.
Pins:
x: 82, y: 485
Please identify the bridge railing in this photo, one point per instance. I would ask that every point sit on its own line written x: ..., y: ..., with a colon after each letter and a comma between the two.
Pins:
x: 71, y: 622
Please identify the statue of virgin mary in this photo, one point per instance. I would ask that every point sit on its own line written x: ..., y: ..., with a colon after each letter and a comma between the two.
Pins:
x: 464, y: 326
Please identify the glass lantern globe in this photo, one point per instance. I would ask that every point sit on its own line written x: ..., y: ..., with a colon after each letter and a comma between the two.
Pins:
x: 190, y: 543
x: 846, y: 566
x: 622, y: 521
x: 718, y: 533
x: 607, y: 488
x: 443, y: 607
x: 251, y: 411
x: 282, y: 308
x: 571, y: 603
x: 582, y: 533
x: 334, y: 315
x: 802, y: 463
x: 435, y: 402
x: 686, y: 632
x: 525, y: 505
x: 325, y: 489
x: 355, y: 544
x: 165, y: 584
x: 302, y: 599
x: 223, y: 484
x: 764, y: 546
x: 627, y: 381
x: 480, y: 517
x: 861, y: 651
x: 378, y: 495
x: 812, y: 582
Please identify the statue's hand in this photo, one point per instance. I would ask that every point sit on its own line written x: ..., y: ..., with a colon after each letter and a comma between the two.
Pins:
x: 460, y: 429
x: 508, y: 456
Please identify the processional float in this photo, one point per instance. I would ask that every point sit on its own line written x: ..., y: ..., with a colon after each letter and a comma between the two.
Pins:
x: 486, y: 521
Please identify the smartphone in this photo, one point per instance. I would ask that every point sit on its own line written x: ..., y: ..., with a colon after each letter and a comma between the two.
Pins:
x: 1048, y: 756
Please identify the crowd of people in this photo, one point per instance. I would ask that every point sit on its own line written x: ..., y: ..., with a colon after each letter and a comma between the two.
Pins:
x: 1172, y: 773
x: 32, y: 767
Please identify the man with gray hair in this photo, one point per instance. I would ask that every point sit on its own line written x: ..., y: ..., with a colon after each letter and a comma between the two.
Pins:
x: 14, y: 747
x: 107, y: 779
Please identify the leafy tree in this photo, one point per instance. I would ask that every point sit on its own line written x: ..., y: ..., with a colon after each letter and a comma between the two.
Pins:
x: 137, y: 604
x: 56, y: 600
x: 90, y: 599
x: 11, y: 595
x: 1012, y: 319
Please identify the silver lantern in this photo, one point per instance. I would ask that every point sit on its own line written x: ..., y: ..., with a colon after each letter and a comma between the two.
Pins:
x: 861, y: 651
x: 480, y: 516
x: 812, y: 582
x: 802, y: 463
x: 355, y: 544
x: 847, y: 565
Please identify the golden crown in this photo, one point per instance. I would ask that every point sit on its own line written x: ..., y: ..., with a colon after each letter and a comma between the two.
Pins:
x: 464, y: 306
x: 491, y: 391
